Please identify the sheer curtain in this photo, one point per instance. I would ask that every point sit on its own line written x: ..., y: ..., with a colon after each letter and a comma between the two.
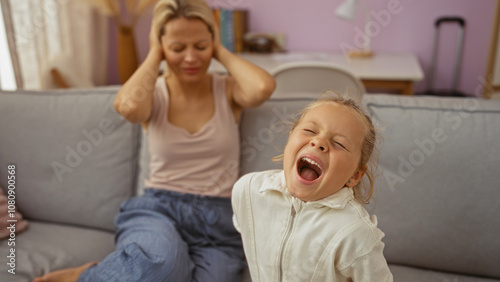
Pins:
x: 66, y: 35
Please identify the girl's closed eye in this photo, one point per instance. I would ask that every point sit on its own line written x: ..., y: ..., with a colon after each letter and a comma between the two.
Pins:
x: 334, y: 142
x: 309, y: 131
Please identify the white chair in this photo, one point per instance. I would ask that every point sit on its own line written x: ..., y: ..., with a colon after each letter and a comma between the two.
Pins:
x: 298, y: 78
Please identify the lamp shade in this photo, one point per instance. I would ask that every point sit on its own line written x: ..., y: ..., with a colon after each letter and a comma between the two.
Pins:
x: 347, y: 10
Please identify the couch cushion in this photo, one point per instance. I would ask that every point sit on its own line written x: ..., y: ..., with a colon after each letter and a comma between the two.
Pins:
x: 47, y: 247
x: 413, y: 274
x: 437, y: 193
x: 75, y: 157
x: 264, y: 131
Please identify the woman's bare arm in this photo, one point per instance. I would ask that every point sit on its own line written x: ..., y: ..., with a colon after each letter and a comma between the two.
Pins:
x: 249, y: 84
x: 134, y: 100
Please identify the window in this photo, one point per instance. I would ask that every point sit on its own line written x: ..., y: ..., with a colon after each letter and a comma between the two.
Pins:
x: 7, y: 78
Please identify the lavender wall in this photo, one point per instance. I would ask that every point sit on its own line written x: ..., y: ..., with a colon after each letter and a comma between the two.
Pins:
x: 312, y: 26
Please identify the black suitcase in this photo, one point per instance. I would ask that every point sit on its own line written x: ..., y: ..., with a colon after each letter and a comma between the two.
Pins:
x: 458, y: 61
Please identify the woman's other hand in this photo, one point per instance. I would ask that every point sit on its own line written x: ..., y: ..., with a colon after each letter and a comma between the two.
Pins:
x: 155, y: 41
x: 217, y: 43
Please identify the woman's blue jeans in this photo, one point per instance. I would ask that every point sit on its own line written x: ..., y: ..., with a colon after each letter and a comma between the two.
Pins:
x: 169, y: 236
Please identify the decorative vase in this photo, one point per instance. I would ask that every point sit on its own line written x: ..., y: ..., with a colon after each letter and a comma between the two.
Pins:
x: 127, y: 53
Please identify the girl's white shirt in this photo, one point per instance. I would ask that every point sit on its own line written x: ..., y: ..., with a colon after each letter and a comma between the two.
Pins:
x: 286, y: 239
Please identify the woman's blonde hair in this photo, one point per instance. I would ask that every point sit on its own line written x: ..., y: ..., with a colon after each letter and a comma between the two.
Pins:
x: 367, y: 163
x: 166, y: 10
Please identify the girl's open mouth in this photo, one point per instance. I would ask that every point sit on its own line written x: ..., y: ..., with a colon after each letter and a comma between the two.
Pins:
x: 308, y: 170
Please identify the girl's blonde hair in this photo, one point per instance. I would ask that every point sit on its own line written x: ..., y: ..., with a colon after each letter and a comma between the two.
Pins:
x: 166, y: 10
x: 367, y: 163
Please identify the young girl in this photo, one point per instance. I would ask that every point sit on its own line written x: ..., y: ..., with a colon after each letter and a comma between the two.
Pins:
x: 306, y: 222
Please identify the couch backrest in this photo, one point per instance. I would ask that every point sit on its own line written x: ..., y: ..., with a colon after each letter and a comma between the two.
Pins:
x: 264, y: 132
x: 75, y: 157
x: 437, y: 188
x: 438, y: 191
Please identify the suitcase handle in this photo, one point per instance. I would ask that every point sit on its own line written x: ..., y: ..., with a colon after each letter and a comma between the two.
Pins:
x: 458, y: 60
x: 459, y: 20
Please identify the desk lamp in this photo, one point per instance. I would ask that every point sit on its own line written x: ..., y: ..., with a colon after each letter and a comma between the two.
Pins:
x: 347, y: 11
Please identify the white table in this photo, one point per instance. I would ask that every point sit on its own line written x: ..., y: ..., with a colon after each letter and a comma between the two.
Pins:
x: 383, y: 71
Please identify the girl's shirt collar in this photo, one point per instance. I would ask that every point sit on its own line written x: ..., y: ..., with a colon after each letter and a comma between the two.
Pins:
x: 276, y: 182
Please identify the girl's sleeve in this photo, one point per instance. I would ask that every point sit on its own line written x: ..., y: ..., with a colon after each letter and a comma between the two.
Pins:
x: 237, y: 199
x: 371, y: 267
x: 362, y: 254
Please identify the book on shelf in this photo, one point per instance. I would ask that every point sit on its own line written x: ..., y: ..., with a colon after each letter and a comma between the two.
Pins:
x: 240, y: 19
x: 232, y: 26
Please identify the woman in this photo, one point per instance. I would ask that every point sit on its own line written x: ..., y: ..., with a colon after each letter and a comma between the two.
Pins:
x: 181, y: 228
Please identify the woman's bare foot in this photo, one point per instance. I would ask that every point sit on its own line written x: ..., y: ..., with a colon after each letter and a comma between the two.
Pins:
x: 65, y: 275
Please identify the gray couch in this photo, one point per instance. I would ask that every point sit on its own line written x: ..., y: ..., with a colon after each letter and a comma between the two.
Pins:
x: 437, y: 194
